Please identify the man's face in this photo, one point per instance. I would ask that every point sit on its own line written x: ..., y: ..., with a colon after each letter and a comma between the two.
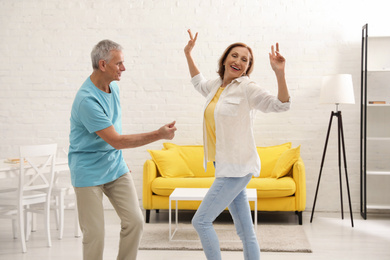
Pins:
x: 114, y: 67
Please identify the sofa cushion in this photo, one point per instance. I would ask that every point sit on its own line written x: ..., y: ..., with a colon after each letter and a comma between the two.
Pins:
x: 193, y: 156
x: 266, y: 187
x: 269, y: 156
x: 272, y: 187
x: 285, y: 162
x: 170, y: 164
x: 164, y: 186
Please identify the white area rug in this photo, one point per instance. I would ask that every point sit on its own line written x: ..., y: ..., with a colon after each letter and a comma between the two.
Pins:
x: 272, y: 238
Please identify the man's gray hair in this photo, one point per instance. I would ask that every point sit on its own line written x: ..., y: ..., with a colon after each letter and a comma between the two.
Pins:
x: 102, y: 50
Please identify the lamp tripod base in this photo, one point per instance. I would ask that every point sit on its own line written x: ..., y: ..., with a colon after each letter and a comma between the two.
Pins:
x: 341, y: 144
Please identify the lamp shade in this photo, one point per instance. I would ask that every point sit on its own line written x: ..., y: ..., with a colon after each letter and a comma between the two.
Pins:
x: 337, y: 89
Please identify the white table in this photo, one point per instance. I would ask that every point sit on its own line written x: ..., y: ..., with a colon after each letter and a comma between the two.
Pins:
x: 195, y: 194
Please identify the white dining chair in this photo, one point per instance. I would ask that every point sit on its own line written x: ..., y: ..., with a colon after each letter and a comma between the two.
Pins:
x: 33, y: 191
x: 64, y: 197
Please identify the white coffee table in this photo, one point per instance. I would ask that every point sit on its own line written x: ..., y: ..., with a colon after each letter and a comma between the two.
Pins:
x: 195, y: 194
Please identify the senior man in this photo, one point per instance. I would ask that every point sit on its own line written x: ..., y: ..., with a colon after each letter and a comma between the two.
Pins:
x: 95, y: 155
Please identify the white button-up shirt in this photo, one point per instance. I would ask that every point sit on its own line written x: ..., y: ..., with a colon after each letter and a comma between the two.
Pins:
x: 236, y: 154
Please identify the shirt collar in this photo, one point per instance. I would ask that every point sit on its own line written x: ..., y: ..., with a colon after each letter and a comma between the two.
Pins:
x: 241, y: 79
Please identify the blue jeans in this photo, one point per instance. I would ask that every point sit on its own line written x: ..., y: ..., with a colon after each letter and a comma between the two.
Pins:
x: 231, y: 193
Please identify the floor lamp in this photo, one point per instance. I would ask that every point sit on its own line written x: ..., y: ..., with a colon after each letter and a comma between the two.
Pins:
x: 336, y: 89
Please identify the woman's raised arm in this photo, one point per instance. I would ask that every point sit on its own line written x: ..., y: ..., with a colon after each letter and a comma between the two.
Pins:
x: 187, y: 51
x: 278, y: 64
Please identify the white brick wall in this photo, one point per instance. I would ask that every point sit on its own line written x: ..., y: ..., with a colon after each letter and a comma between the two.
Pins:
x: 45, y: 48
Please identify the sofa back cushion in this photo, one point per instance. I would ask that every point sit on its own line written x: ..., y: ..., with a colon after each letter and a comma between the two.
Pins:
x: 269, y: 156
x: 286, y: 162
x: 170, y: 164
x: 193, y: 157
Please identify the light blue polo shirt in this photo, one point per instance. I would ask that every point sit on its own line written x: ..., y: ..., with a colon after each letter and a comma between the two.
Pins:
x: 92, y: 161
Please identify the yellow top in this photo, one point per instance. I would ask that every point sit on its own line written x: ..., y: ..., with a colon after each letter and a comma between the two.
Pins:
x: 210, y: 125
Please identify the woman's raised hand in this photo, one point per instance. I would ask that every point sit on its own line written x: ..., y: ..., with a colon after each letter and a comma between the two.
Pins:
x: 191, y: 42
x: 276, y: 59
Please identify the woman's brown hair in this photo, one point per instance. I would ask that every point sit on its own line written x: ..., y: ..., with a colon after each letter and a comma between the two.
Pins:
x: 221, y: 67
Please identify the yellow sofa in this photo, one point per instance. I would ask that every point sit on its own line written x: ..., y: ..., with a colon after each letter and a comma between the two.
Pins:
x: 280, y: 187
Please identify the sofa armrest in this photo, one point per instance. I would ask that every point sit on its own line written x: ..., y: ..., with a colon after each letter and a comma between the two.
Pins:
x: 299, y: 176
x: 149, y: 174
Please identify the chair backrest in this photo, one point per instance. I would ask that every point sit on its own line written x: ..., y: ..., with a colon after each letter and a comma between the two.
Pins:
x: 37, y: 163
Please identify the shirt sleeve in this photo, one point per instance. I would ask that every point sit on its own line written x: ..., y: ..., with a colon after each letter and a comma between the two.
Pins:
x: 92, y: 115
x: 202, y: 85
x: 262, y: 100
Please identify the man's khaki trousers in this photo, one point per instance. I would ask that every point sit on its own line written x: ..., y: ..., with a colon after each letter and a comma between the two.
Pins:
x: 123, y: 196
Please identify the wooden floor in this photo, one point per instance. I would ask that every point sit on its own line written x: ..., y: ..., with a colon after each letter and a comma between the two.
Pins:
x: 330, y: 238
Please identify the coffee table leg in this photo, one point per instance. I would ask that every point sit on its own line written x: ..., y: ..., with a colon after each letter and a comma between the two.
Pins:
x: 170, y: 232
x: 255, y: 216
x: 176, y: 216
x: 170, y: 219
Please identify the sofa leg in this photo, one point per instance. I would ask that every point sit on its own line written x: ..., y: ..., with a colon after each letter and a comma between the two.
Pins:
x: 299, y: 213
x: 147, y: 216
x: 157, y: 211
